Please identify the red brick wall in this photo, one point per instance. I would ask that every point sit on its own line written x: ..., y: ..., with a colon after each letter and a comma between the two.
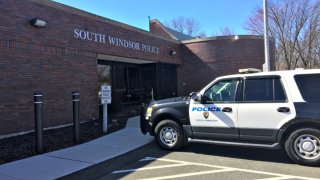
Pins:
x: 209, y: 58
x: 25, y: 71
x: 51, y: 60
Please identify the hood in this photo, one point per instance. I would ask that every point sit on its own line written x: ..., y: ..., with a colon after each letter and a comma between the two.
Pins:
x: 170, y: 100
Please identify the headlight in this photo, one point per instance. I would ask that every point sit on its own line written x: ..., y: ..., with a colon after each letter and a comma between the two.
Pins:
x: 149, y: 112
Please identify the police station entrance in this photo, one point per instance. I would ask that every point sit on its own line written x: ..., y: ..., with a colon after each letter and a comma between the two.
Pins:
x: 133, y: 83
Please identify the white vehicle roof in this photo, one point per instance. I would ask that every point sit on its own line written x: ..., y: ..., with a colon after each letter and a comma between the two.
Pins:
x: 279, y: 73
x: 287, y: 77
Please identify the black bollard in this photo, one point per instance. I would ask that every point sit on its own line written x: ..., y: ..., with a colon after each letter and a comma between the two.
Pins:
x: 38, y: 114
x: 76, y: 106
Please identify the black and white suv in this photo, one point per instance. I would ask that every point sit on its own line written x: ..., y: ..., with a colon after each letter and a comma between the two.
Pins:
x: 264, y: 109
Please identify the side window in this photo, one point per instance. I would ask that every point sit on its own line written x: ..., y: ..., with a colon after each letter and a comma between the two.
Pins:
x: 264, y: 89
x: 222, y: 91
x: 309, y: 86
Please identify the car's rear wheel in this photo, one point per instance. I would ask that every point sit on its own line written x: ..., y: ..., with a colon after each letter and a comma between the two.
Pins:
x: 169, y: 135
x: 303, y: 146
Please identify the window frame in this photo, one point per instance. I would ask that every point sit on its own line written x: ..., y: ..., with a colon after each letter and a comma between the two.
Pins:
x: 225, y: 102
x: 243, y: 85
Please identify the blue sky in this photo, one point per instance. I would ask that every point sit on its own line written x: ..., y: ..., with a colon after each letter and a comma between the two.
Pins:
x: 211, y: 14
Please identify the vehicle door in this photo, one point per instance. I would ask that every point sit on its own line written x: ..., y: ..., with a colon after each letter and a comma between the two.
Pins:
x: 215, y: 115
x: 265, y: 107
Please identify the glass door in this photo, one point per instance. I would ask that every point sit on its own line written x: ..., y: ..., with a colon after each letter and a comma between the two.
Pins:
x: 148, y: 82
x: 126, y: 83
x: 133, y: 84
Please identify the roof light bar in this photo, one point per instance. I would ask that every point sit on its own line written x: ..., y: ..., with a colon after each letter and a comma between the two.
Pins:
x: 249, y: 70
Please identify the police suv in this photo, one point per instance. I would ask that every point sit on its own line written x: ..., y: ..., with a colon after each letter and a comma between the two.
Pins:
x: 261, y: 109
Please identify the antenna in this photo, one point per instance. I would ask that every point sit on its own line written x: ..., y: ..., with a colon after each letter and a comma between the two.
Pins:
x: 149, y: 22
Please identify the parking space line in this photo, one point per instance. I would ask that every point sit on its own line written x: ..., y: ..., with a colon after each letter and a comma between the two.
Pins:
x: 149, y: 168
x: 234, y: 169
x: 191, y: 163
x: 189, y: 174
x: 277, y: 178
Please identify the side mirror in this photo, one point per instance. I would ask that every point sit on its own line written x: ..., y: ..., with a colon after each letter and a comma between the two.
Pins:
x: 192, y: 94
x: 199, y: 98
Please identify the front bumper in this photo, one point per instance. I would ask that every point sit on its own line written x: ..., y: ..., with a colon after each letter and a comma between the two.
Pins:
x: 145, y: 126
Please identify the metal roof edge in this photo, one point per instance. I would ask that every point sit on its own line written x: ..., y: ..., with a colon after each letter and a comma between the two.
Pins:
x: 232, y: 37
x: 164, y: 29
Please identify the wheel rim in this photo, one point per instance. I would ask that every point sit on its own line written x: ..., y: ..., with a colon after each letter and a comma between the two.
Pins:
x: 168, y: 135
x: 307, y: 146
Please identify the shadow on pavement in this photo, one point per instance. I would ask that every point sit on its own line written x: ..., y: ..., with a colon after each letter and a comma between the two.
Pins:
x: 104, y: 169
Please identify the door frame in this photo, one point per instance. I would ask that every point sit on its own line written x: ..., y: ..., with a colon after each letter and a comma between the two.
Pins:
x: 216, y: 109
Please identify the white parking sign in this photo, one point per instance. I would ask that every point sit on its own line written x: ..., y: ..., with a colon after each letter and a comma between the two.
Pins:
x: 105, y: 94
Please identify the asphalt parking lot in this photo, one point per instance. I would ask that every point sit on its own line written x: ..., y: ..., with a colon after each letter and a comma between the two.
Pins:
x: 199, y: 161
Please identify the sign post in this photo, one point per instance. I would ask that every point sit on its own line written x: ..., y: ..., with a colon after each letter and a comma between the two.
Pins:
x: 105, y: 100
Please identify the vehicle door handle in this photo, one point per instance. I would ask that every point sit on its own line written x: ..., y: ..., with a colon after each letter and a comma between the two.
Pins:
x: 227, y: 109
x: 283, y: 109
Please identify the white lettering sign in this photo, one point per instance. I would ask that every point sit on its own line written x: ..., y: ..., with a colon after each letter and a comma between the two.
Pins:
x: 114, y: 41
x: 124, y: 43
x: 105, y: 94
x: 91, y: 36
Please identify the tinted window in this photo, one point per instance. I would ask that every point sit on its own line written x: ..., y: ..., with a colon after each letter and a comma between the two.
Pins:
x: 222, y: 91
x: 264, y: 89
x: 309, y: 86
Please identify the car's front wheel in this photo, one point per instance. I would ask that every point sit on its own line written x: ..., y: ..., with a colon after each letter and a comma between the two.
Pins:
x: 169, y: 135
x: 303, y: 146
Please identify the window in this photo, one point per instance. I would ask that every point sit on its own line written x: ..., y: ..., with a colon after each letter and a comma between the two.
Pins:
x: 104, y: 74
x: 264, y: 89
x: 309, y: 86
x: 222, y: 91
x: 104, y: 77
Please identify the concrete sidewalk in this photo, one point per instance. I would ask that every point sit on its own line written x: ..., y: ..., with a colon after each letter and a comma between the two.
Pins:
x: 66, y: 161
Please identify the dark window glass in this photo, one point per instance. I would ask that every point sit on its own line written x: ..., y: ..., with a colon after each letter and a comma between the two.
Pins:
x: 148, y: 81
x: 167, y: 80
x: 279, y: 94
x: 104, y: 77
x: 309, y: 86
x: 222, y: 91
x: 264, y: 89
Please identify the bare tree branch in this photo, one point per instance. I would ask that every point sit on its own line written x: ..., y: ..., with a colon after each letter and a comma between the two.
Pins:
x: 188, y: 26
x: 294, y: 24
x: 224, y: 31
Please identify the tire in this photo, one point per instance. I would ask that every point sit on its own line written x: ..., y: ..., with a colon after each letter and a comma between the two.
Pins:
x: 169, y: 135
x: 303, y: 146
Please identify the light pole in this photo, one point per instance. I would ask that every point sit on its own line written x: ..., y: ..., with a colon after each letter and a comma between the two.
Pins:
x: 266, y: 36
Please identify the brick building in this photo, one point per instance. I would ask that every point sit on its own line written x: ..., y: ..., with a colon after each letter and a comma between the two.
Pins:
x: 77, y: 50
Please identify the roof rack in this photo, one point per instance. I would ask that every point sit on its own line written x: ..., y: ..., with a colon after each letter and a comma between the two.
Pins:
x: 249, y: 70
